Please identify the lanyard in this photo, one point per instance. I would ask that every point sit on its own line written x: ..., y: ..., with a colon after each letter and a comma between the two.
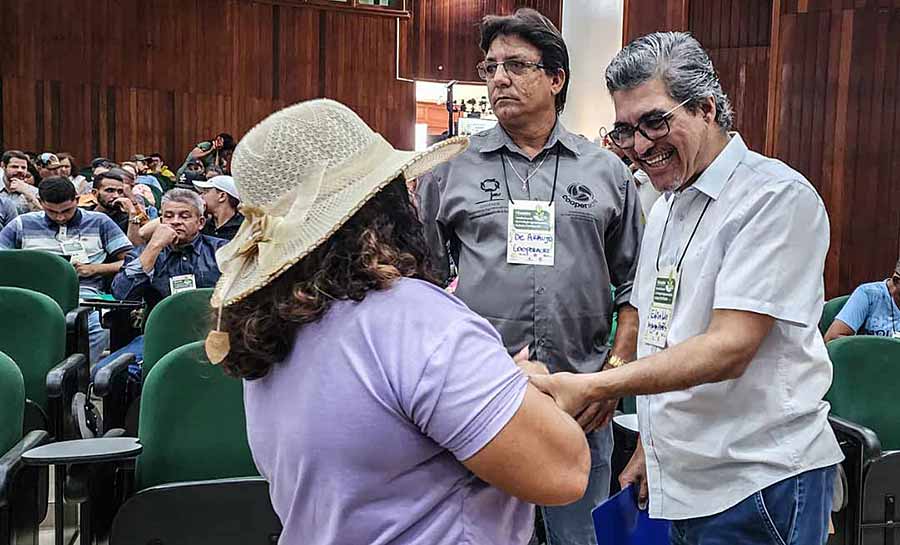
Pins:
x: 555, y: 175
x: 694, y: 232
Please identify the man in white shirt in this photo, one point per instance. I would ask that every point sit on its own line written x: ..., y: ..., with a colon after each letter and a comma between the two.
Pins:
x: 735, y: 441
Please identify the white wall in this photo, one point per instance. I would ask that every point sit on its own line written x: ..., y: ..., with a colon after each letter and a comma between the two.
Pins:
x: 593, y: 33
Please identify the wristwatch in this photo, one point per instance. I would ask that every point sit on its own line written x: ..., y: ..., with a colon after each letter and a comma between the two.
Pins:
x: 615, y: 362
x: 139, y: 219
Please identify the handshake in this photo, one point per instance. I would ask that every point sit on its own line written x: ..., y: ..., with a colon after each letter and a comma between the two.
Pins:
x: 570, y: 393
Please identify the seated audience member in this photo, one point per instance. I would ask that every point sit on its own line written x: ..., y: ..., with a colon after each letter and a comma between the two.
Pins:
x: 15, y: 186
x: 157, y: 165
x: 90, y: 240
x: 8, y: 210
x: 176, y: 258
x: 873, y: 309
x: 48, y: 164
x: 68, y: 168
x: 329, y: 334
x: 213, y: 171
x: 221, y: 198
x: 210, y: 152
x: 109, y: 187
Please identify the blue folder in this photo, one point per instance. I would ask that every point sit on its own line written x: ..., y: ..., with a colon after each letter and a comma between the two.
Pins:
x: 618, y: 521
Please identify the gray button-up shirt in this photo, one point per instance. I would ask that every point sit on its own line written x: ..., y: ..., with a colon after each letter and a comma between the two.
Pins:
x: 562, y: 312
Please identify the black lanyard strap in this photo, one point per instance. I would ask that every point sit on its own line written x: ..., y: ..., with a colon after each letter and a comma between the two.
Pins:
x: 694, y: 232
x: 555, y: 175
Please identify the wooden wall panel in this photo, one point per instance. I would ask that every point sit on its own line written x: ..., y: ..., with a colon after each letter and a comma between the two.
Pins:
x: 118, y: 77
x: 350, y: 48
x: 737, y: 35
x: 838, y: 121
x: 645, y: 16
x: 442, y: 38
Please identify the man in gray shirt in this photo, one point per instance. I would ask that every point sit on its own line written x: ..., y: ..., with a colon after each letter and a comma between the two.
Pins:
x: 543, y: 277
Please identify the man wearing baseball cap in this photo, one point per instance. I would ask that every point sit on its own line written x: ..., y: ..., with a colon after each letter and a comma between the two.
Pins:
x: 222, y: 200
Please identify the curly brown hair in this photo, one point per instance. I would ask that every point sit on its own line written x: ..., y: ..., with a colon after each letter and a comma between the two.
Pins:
x: 380, y: 243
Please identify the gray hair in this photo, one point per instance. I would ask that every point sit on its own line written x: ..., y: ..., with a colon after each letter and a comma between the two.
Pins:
x: 680, y: 62
x: 184, y: 196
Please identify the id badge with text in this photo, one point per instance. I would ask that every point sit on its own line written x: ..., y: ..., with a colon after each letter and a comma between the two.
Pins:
x: 183, y: 282
x: 665, y: 292
x: 531, y: 233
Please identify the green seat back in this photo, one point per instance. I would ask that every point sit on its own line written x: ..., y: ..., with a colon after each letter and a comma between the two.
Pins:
x: 43, y: 272
x: 192, y: 423
x: 864, y: 389
x: 33, y: 334
x: 12, y: 403
x: 830, y: 312
x: 177, y: 320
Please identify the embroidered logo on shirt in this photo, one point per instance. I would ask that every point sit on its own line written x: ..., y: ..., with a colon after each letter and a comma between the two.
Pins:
x: 492, y: 188
x: 579, y: 195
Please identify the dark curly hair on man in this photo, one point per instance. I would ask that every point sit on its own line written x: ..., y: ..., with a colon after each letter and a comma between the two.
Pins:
x: 380, y: 243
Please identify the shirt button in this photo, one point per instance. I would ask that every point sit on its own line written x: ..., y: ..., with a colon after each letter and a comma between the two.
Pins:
x: 540, y: 290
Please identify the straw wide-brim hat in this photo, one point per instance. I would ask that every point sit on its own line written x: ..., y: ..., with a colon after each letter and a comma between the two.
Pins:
x: 302, y: 173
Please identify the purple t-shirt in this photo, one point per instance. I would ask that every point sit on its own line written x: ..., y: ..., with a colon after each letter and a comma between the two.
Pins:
x: 360, y: 432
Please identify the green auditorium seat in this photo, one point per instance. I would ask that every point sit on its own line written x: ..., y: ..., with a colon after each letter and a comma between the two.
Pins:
x: 23, y: 490
x: 865, y: 418
x: 192, y: 422
x: 830, y: 311
x: 35, y: 338
x: 195, y: 481
x: 55, y: 277
x: 177, y: 320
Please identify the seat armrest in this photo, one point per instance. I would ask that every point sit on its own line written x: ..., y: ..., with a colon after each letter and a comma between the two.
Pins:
x: 112, y: 384
x: 63, y: 381
x: 12, y: 462
x: 85, y: 451
x: 77, y: 341
x: 870, y: 445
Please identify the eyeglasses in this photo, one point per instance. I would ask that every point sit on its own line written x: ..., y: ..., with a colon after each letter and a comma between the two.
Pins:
x: 652, y: 128
x: 488, y: 69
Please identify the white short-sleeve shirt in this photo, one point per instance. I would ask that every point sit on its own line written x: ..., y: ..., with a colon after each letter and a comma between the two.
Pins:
x: 759, y: 247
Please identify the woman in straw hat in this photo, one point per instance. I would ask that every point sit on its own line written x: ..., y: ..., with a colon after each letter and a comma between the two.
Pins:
x: 380, y: 409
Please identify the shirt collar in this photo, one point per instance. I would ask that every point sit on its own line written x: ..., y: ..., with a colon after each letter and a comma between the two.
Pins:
x: 496, y: 138
x: 713, y: 179
x: 74, y: 222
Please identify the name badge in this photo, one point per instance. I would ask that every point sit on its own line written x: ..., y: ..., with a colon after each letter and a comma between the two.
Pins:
x: 182, y: 282
x: 531, y: 233
x: 665, y: 291
x: 75, y: 251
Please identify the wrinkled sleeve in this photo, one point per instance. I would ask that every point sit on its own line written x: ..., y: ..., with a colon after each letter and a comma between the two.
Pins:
x: 623, y: 240
x: 774, y: 262
x: 428, y: 197
x: 856, y: 310
x: 469, y: 388
x: 131, y: 280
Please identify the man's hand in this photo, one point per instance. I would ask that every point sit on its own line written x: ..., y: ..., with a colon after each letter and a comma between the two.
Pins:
x: 636, y: 473
x: 85, y: 269
x: 597, y: 415
x: 124, y: 204
x: 18, y: 185
x: 163, y: 236
x: 568, y: 390
x: 530, y: 368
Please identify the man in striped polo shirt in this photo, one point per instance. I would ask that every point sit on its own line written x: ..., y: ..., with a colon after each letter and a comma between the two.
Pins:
x: 91, y: 241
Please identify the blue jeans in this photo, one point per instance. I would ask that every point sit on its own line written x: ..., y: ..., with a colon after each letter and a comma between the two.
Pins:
x: 136, y: 347
x: 794, y: 511
x: 572, y: 524
x: 98, y: 337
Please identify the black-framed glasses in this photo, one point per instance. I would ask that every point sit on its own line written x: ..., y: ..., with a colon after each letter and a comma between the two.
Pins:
x: 488, y: 69
x: 652, y: 127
